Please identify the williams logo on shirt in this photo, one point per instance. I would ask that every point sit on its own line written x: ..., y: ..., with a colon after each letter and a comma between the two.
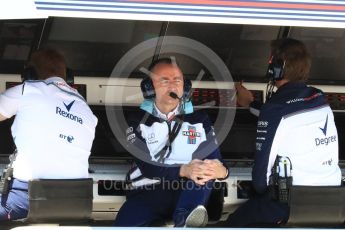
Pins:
x: 326, y: 140
x: 191, y: 134
x: 67, y: 114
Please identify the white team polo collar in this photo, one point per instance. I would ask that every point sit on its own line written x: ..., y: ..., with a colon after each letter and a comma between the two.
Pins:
x: 170, y: 115
x: 54, y: 79
x: 60, y: 83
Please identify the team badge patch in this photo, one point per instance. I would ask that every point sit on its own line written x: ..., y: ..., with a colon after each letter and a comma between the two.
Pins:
x: 130, y: 135
x: 192, y: 134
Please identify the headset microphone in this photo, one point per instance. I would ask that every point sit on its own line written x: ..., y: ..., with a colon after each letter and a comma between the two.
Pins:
x: 181, y: 100
x: 174, y: 95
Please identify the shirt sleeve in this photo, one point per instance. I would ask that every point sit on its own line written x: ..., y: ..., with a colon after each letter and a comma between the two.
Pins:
x: 10, y: 101
x: 267, y: 126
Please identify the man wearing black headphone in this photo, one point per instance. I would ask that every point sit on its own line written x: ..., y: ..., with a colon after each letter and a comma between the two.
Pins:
x: 53, y: 130
x: 295, y: 124
x: 173, y: 182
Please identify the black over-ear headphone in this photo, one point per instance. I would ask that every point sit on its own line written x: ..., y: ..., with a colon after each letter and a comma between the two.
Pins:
x: 29, y: 73
x: 275, y: 69
x: 149, y: 91
x: 276, y: 64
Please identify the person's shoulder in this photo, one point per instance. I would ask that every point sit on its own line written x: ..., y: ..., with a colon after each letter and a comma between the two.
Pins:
x: 315, y: 90
x: 13, y: 92
x: 274, y: 107
x: 292, y: 100
x: 135, y: 113
x: 18, y: 87
x: 139, y: 116
x: 286, y: 95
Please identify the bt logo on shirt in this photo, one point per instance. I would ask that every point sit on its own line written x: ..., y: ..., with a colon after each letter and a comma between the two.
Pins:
x: 69, y: 138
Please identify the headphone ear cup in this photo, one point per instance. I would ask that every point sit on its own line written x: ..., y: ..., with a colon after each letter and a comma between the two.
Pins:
x: 147, y: 88
x: 187, y: 89
x: 29, y: 73
x: 275, y: 69
x: 69, y: 76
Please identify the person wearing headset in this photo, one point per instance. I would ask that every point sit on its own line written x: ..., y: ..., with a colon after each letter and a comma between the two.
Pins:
x: 296, y: 123
x: 53, y: 130
x: 170, y: 133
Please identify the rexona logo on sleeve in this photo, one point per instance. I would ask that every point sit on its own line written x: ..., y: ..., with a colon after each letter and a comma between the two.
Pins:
x: 67, y: 113
x: 326, y: 140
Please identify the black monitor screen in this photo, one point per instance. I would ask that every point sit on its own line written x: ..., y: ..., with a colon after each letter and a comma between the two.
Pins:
x: 327, y: 50
x: 93, y: 47
x: 18, y: 38
x: 105, y: 144
x: 243, y: 48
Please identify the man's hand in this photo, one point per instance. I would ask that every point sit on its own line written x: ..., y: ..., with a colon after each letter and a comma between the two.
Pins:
x: 193, y: 171
x: 202, y: 171
x: 244, y: 96
x: 213, y: 169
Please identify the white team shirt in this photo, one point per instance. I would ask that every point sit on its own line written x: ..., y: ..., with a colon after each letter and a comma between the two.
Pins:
x: 53, y: 129
x: 320, y: 150
x: 157, y: 135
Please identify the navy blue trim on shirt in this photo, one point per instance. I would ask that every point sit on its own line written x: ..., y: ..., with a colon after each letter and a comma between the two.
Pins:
x: 291, y: 98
